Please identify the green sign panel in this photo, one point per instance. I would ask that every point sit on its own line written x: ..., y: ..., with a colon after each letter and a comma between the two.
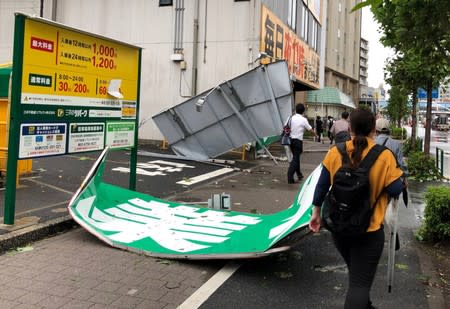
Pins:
x: 134, y: 221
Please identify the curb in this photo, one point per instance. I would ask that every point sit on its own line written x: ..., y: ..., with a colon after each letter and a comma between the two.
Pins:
x: 35, y: 232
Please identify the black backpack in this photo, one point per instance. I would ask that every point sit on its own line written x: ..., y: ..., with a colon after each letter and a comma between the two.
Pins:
x: 347, y: 209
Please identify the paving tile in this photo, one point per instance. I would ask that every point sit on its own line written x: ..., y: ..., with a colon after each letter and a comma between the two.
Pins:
x: 29, y: 273
x: 82, y: 294
x: 104, y: 298
x: 20, y: 283
x: 128, y: 302
x: 173, y: 298
x: 60, y: 290
x: 152, y: 294
x: 11, y: 293
x: 55, y: 268
x: 48, y: 277
x: 153, y: 283
x: 32, y: 298
x: 108, y: 286
x: 39, y: 286
x: 88, y: 283
x: 6, y: 304
x: 7, y: 278
x: 27, y: 306
x: 147, y: 304
x: 54, y: 302
x: 78, y: 304
x: 112, y: 276
x: 173, y: 277
x: 127, y: 279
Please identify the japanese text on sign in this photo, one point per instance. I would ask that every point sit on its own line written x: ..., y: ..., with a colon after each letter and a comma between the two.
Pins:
x: 278, y: 41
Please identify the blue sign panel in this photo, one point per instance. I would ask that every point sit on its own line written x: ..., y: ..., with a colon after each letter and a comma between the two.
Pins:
x: 422, y: 94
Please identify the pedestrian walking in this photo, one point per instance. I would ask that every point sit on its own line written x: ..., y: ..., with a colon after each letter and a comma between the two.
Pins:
x: 383, y: 131
x: 340, y: 129
x: 299, y: 124
x: 319, y: 129
x: 330, y: 124
x: 361, y: 252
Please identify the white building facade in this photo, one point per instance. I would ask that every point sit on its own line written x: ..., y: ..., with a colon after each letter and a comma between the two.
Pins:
x: 190, y: 46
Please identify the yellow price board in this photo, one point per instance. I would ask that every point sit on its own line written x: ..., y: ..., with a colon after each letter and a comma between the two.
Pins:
x: 67, y: 67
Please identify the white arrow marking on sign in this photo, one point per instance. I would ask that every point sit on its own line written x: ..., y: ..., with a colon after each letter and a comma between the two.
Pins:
x: 170, y: 227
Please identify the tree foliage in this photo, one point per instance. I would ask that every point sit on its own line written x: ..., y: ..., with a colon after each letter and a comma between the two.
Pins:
x: 405, y: 72
x: 417, y: 30
x: 398, y: 107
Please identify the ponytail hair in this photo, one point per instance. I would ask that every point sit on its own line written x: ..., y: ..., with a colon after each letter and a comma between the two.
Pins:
x: 362, y: 123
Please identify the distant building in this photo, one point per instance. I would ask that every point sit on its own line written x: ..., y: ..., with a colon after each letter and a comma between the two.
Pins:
x: 363, y: 64
x: 343, y: 45
x: 374, y: 98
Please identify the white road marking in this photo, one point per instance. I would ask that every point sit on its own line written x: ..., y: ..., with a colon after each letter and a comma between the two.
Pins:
x: 50, y: 186
x: 204, y: 177
x: 210, y: 286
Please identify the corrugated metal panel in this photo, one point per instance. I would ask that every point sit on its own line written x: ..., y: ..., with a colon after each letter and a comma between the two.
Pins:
x: 235, y: 112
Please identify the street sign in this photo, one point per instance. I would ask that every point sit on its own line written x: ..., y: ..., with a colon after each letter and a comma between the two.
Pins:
x: 77, y: 78
x: 72, y: 91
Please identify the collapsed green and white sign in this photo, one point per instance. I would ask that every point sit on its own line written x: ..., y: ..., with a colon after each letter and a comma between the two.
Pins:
x: 137, y: 222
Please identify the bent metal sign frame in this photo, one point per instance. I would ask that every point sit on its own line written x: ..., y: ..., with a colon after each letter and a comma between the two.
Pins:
x: 141, y: 223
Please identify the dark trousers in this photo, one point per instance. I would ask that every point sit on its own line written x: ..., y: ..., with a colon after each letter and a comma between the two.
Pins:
x: 294, y: 165
x: 330, y: 136
x: 319, y: 135
x: 361, y: 254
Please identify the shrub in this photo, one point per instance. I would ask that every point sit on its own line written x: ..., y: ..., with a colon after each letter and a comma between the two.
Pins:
x: 398, y: 133
x: 436, y: 226
x: 422, y: 167
x: 407, y: 146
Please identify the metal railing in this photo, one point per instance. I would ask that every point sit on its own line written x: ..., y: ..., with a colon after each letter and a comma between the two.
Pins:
x: 440, y: 160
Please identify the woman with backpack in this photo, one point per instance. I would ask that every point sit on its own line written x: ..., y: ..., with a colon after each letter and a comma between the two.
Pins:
x: 360, y: 248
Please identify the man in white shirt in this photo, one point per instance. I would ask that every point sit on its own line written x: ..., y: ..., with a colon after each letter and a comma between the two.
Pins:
x: 299, y: 125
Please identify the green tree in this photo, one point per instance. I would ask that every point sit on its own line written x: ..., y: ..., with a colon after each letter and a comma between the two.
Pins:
x: 397, y: 107
x: 419, y: 27
x: 405, y: 72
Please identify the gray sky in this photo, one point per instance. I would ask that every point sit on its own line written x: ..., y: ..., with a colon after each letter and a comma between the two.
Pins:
x: 377, y: 52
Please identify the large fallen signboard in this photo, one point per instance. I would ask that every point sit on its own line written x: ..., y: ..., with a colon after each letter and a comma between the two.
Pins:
x: 244, y: 109
x: 77, y: 80
x: 137, y: 222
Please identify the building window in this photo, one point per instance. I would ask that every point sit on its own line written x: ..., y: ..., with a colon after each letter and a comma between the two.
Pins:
x: 304, y: 23
x: 165, y: 2
x: 292, y: 14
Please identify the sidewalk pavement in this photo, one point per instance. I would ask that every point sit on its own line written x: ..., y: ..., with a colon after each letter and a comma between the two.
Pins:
x: 75, y: 270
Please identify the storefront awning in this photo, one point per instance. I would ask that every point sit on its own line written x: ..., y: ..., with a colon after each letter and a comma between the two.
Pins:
x: 332, y: 96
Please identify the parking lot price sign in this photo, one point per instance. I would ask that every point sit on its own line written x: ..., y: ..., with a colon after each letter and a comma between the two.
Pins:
x: 67, y: 84
x: 65, y: 67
